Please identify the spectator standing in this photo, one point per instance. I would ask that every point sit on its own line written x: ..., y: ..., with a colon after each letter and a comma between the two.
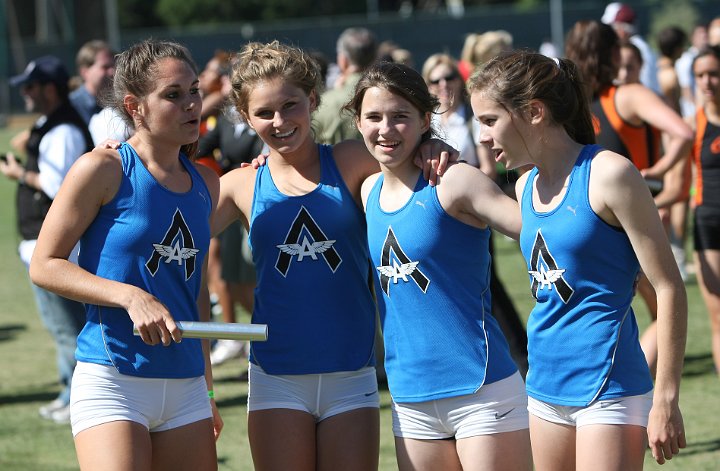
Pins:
x: 683, y: 66
x: 55, y: 141
x: 356, y: 51
x: 622, y: 18
x: 96, y: 65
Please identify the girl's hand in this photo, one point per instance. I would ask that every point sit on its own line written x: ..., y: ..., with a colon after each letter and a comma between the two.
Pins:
x: 433, y: 156
x: 256, y: 163
x: 218, y: 423
x: 152, y: 320
x: 108, y: 144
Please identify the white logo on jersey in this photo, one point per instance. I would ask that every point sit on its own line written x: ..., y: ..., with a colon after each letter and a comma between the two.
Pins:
x: 545, y: 271
x: 175, y: 252
x: 546, y: 278
x: 396, y: 264
x: 314, y: 242
x: 398, y: 271
x: 306, y: 248
x: 177, y: 245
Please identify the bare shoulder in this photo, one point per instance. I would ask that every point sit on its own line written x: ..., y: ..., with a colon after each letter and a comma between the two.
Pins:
x: 616, y: 186
x: 609, y: 168
x: 239, y: 184
x: 368, y: 185
x: 102, y: 164
x: 209, y: 175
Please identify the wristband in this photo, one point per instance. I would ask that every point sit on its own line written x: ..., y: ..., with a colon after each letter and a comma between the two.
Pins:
x: 21, y: 178
x: 211, y: 394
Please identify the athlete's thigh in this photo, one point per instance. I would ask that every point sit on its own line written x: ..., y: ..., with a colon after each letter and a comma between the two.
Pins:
x: 506, y: 451
x: 282, y: 439
x: 427, y: 455
x: 190, y: 447
x: 349, y: 441
x: 611, y: 447
x: 709, y: 270
x: 120, y: 445
x: 553, y: 445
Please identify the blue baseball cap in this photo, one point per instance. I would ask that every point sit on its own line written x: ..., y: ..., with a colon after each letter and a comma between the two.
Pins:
x: 45, y: 69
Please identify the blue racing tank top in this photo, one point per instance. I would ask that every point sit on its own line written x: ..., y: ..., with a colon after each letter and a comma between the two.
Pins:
x: 582, y: 335
x: 433, y: 276
x: 313, y: 270
x: 155, y: 239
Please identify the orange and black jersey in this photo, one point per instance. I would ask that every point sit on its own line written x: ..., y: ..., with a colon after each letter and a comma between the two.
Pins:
x: 641, y: 144
x: 706, y: 153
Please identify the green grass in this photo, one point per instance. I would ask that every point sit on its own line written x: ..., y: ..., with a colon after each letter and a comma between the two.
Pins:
x: 28, y: 374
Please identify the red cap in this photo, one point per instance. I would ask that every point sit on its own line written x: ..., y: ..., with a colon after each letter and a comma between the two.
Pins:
x: 618, y: 13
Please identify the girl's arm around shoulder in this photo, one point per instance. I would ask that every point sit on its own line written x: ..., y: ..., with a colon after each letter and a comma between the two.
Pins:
x: 472, y: 197
x: 235, y: 196
x: 367, y: 186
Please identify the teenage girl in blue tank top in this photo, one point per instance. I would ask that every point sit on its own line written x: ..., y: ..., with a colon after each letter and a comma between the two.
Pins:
x: 459, y: 401
x: 588, y: 225
x: 142, y: 215
x: 313, y: 400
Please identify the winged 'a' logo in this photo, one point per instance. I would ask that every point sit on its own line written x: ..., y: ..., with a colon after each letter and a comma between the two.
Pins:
x: 306, y: 248
x: 546, y: 277
x: 397, y: 270
x: 175, y: 252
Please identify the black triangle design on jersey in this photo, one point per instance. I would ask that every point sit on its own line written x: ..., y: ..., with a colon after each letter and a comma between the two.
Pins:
x: 539, y: 250
x: 391, y: 245
x: 180, y: 230
x: 304, y: 219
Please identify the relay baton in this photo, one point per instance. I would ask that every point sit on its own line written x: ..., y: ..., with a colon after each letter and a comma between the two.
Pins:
x: 221, y: 330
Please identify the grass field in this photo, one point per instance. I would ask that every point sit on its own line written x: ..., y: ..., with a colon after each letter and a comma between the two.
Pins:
x: 28, y: 374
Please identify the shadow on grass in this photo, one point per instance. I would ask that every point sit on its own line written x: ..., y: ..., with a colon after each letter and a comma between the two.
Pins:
x: 700, y: 447
x: 10, y: 331
x: 236, y: 401
x: 27, y: 397
x: 698, y: 365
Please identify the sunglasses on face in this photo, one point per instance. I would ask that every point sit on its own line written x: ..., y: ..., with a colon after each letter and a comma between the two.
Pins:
x: 448, y: 78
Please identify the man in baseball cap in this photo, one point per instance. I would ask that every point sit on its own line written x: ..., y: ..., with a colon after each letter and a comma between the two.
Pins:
x: 622, y: 18
x: 45, y: 69
x: 53, y: 143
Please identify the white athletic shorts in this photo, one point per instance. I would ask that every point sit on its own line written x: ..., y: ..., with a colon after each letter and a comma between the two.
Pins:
x: 100, y: 394
x: 629, y: 410
x: 321, y: 395
x: 496, y: 408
